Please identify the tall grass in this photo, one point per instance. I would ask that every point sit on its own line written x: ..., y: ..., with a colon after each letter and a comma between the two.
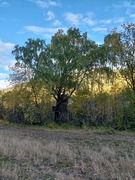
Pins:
x: 26, y: 158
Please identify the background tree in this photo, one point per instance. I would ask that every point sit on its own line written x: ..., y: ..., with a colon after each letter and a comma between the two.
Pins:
x: 70, y: 61
x: 66, y: 61
x: 59, y: 66
x: 120, y: 48
x: 121, y: 52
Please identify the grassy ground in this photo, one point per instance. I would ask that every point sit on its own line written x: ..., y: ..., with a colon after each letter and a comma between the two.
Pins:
x: 29, y: 154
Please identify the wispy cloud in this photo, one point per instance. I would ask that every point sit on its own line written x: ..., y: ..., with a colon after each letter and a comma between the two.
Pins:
x: 45, y: 4
x: 132, y: 16
x: 129, y: 7
x: 107, y: 21
x: 39, y: 30
x: 6, y: 62
x: 5, y: 54
x: 4, y: 3
x: 56, y: 23
x: 113, y: 20
x: 77, y: 19
x: 129, y: 4
x: 99, y: 29
x: 73, y: 18
x: 46, y: 32
x: 5, y: 47
x: 35, y: 29
x: 90, y: 14
x: 126, y: 6
x: 4, y: 84
x: 50, y: 15
x: 116, y: 5
x: 40, y: 3
x: 89, y: 21
x: 119, y: 20
x: 3, y: 75
x: 54, y: 3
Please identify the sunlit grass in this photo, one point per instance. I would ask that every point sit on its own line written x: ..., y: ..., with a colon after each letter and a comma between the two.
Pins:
x: 3, y: 123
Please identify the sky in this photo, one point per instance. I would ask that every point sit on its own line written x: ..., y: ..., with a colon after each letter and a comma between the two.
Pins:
x: 23, y: 19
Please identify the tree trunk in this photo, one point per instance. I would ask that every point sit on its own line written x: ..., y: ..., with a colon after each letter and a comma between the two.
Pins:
x: 61, y: 108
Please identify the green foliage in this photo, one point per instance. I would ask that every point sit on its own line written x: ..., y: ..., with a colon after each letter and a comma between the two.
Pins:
x: 60, y: 67
x: 73, y: 64
x: 2, y: 109
x: 116, y: 111
x: 120, y: 50
x: 26, y: 105
x: 66, y: 126
x: 51, y: 125
x: 62, y: 64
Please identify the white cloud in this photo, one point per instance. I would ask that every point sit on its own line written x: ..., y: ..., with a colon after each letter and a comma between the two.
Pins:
x: 50, y: 15
x: 73, y: 18
x: 119, y: 20
x: 5, y: 54
x: 44, y: 4
x: 5, y: 47
x: 107, y: 21
x: 77, y: 19
x: 3, y: 75
x: 124, y: 4
x: 132, y: 15
x: 4, y: 3
x: 35, y: 29
x: 39, y: 30
x: 129, y: 6
x: 46, y: 32
x: 90, y: 14
x: 113, y: 20
x: 56, y: 23
x: 100, y: 29
x: 6, y: 62
x: 53, y: 3
x: 88, y: 21
x: 4, y: 84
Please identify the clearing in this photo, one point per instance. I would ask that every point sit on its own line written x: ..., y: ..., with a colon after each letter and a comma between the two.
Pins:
x: 32, y: 154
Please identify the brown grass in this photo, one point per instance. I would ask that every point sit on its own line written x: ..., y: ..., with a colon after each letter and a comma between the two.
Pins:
x: 29, y: 158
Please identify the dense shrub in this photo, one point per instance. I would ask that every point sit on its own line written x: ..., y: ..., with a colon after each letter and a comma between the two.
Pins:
x: 116, y: 110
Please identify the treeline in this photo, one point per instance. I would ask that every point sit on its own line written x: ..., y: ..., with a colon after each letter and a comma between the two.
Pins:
x: 113, y: 109
x: 99, y: 80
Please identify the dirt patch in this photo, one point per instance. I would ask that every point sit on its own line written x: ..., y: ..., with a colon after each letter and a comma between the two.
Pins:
x: 56, y: 135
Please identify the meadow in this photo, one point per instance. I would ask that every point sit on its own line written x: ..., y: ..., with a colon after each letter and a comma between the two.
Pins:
x: 41, y: 154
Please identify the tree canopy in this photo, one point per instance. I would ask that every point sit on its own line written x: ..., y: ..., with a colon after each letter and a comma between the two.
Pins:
x: 120, y: 46
x: 103, y: 77
x: 61, y: 65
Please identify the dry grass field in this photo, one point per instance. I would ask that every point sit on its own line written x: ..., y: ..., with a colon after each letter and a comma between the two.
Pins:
x: 27, y: 154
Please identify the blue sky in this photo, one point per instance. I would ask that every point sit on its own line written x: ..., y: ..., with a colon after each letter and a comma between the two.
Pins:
x: 23, y: 19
